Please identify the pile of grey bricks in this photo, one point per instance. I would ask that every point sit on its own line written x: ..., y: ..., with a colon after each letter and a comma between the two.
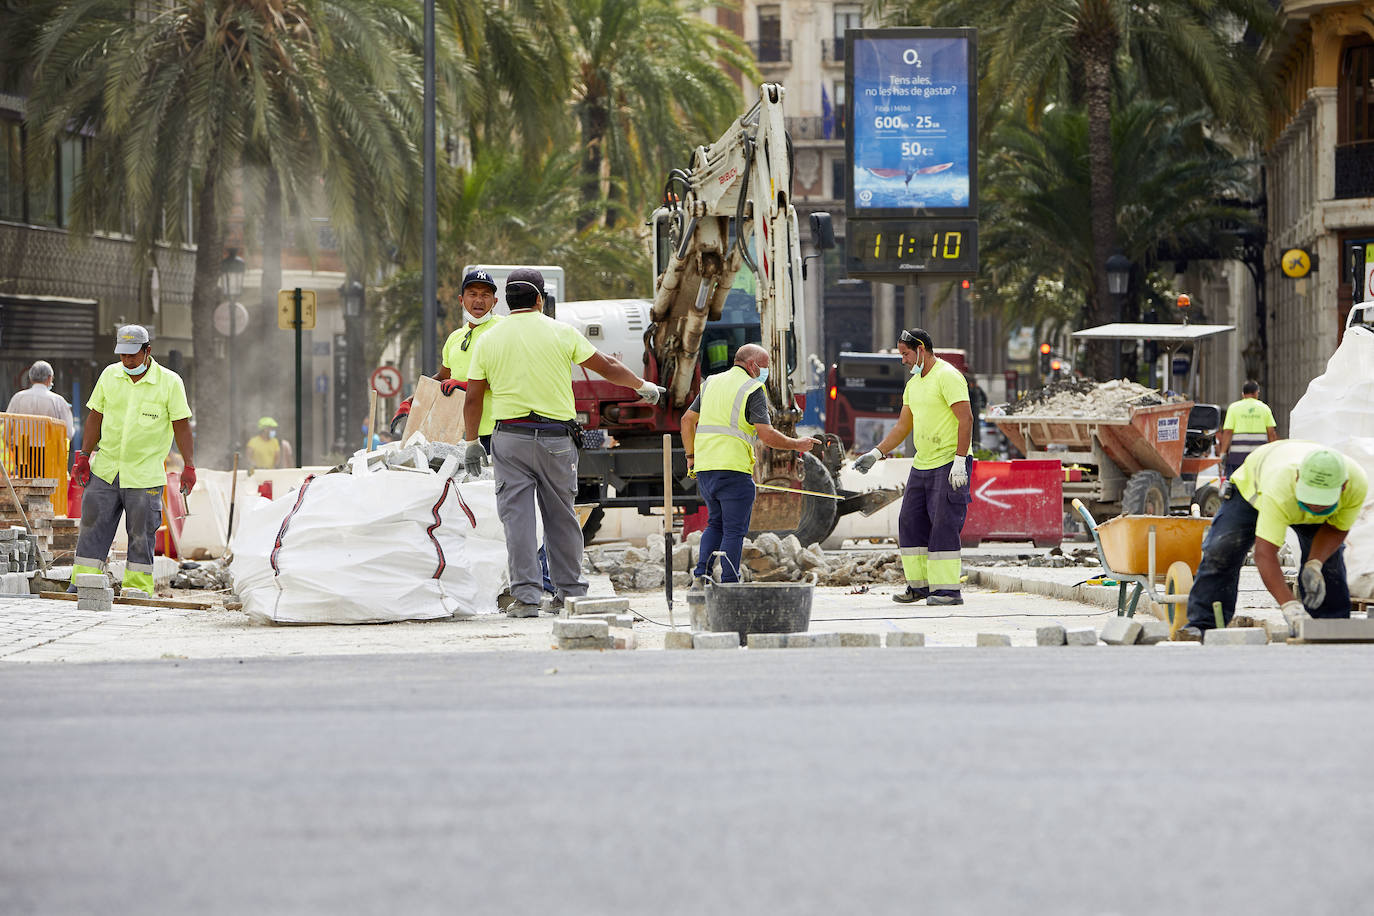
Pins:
x: 93, y: 592
x: 594, y: 623
x: 18, y: 550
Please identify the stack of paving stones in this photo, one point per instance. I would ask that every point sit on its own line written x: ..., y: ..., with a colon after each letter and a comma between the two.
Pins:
x: 35, y: 497
x: 19, y: 550
x: 65, y: 532
x: 594, y: 623
x: 93, y: 592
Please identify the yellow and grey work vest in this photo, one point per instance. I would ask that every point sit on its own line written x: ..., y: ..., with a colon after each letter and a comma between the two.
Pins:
x: 725, y: 438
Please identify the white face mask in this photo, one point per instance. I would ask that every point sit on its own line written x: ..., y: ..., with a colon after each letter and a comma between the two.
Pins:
x: 473, y: 319
x: 142, y: 368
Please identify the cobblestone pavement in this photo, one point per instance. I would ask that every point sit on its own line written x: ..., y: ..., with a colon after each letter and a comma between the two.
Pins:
x: 37, y: 629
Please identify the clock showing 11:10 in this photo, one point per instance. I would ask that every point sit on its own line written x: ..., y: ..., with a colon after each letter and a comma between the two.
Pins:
x: 912, y: 246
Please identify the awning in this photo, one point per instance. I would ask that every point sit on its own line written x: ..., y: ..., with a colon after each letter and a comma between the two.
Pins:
x: 1178, y: 333
x: 47, y: 327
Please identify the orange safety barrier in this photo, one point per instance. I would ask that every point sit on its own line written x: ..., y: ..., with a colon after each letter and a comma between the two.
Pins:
x: 35, y: 446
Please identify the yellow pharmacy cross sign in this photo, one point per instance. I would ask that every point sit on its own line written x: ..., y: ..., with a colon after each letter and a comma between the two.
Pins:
x: 286, y: 309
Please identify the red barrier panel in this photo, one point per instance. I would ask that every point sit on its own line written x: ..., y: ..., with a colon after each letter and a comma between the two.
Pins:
x: 1019, y: 500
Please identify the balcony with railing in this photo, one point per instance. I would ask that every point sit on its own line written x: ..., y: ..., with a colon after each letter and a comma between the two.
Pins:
x: 772, y: 50
x: 832, y: 51
x: 814, y: 128
x: 1355, y: 169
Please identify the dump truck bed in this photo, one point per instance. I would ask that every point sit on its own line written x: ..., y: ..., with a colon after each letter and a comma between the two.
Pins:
x: 1150, y: 438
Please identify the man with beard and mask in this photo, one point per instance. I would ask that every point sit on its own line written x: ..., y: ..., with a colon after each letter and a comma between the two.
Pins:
x: 478, y: 297
x: 935, y: 410
x: 136, y: 409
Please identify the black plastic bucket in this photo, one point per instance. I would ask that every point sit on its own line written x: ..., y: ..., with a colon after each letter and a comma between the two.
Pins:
x: 759, y: 607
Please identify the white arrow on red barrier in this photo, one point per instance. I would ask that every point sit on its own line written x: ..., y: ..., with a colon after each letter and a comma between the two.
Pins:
x: 986, y: 493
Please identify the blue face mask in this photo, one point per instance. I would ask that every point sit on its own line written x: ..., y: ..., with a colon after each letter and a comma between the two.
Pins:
x: 763, y: 374
x: 139, y: 371
x: 1320, y: 513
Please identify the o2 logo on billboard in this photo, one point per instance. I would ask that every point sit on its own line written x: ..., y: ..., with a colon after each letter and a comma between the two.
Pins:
x: 911, y: 58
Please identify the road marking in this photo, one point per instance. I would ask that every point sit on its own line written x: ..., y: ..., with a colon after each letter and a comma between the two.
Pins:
x: 986, y: 493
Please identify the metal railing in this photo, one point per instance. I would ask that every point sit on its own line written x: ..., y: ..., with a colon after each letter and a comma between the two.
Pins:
x: 772, y: 51
x: 813, y: 128
x: 832, y: 50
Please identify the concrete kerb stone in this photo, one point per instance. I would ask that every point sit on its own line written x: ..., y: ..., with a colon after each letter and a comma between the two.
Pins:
x: 993, y: 639
x: 679, y: 639
x: 581, y: 605
x: 96, y: 593
x: 1121, y: 631
x: 1153, y: 631
x: 766, y: 641
x: 580, y: 629
x: 586, y: 642
x: 1080, y: 636
x: 1236, y: 636
x: 92, y: 580
x: 901, y: 639
x: 861, y: 640
x: 1051, y: 635
x: 726, y: 640
x: 813, y: 640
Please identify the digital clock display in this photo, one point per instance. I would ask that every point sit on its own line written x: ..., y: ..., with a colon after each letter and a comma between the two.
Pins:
x: 911, y: 246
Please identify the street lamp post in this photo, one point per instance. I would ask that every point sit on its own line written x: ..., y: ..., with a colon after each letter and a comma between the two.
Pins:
x: 1118, y: 281
x: 231, y: 271
x: 354, y: 296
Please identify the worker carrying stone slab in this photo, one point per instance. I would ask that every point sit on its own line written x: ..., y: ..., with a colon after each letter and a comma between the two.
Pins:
x: 1291, y: 483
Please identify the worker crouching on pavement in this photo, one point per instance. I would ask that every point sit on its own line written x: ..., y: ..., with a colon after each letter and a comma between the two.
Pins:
x: 526, y: 362
x: 935, y: 410
x: 718, y: 432
x: 136, y: 409
x: 1316, y: 491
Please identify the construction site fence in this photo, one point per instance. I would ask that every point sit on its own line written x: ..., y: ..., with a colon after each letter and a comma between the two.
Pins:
x: 35, y: 446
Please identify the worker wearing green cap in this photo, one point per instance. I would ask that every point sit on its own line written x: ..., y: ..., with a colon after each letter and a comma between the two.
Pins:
x: 1316, y: 491
x: 264, y: 449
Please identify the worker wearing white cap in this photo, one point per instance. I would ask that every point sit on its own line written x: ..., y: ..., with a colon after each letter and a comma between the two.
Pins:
x: 1316, y: 491
x: 136, y: 408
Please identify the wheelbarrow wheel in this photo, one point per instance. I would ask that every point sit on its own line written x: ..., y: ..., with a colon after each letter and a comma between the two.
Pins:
x: 1178, y: 581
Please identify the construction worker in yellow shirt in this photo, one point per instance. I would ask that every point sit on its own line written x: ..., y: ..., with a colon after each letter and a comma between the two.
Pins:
x: 1249, y: 424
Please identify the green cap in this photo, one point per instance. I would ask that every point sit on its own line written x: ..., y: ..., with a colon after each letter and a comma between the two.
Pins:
x: 265, y: 422
x: 1321, y: 476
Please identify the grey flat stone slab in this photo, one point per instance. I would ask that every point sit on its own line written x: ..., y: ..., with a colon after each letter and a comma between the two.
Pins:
x: 901, y: 639
x: 1080, y: 636
x: 994, y: 639
x: 1316, y: 629
x: 92, y: 580
x: 94, y: 604
x: 1236, y: 636
x: 1052, y: 635
x: 861, y: 640
x: 1153, y: 631
x: 726, y: 640
x: 580, y: 629
x: 586, y: 605
x: 813, y: 640
x: 96, y: 593
x: 766, y: 641
x: 678, y: 639
x: 586, y: 642
x: 1121, y: 631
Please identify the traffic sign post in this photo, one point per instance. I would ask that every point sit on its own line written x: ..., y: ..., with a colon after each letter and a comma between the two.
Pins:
x: 296, y: 309
x: 387, y: 381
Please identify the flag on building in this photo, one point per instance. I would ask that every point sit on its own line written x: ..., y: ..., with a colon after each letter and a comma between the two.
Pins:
x: 827, y: 114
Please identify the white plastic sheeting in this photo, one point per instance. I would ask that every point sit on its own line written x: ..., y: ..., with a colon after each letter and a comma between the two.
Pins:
x: 372, y: 548
x: 1338, y: 411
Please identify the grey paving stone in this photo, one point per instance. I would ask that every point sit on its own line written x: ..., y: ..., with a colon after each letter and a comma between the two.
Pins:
x: 585, y: 605
x: 678, y: 639
x: 766, y: 641
x: 92, y: 580
x: 1153, y: 631
x: 580, y: 629
x: 861, y: 640
x: 1080, y: 636
x: 813, y: 640
x: 901, y: 639
x: 1052, y: 635
x: 1121, y: 631
x: 586, y: 642
x: 726, y: 640
x: 1335, y: 629
x: 994, y: 639
x: 96, y: 593
x: 1236, y: 636
x: 94, y: 604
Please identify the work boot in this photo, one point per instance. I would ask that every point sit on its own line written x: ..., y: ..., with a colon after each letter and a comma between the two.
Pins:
x: 911, y: 595
x: 521, y: 609
x: 936, y: 600
x: 504, y: 600
x: 552, y: 604
x: 1188, y: 634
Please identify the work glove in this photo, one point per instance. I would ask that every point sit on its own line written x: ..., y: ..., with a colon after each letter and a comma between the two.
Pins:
x: 650, y: 393
x: 1293, y: 611
x: 473, y: 457
x: 865, y: 462
x: 188, y: 479
x: 81, y: 468
x: 448, y: 386
x: 958, y: 472
x: 398, y: 422
x: 1312, y: 584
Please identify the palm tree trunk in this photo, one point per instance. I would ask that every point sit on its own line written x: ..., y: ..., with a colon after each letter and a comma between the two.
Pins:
x: 210, y: 402
x: 595, y: 126
x: 1098, y: 95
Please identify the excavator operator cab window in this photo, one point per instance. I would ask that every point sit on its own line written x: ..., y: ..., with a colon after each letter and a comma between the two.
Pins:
x: 662, y: 222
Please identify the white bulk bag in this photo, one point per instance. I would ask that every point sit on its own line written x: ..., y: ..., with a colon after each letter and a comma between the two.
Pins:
x: 371, y: 548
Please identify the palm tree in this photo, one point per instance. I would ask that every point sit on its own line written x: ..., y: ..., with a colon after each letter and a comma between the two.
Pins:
x: 1033, y: 51
x: 323, y: 94
x: 653, y: 81
x: 1175, y: 189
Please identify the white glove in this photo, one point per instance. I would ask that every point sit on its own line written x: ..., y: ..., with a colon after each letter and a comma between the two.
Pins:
x: 1313, y: 583
x: 958, y: 472
x: 651, y: 393
x: 864, y: 463
x: 1293, y: 611
x: 473, y: 457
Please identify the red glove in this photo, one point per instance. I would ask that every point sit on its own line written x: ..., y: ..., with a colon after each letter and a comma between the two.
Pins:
x: 398, y: 422
x: 450, y: 385
x: 81, y: 468
x: 188, y: 479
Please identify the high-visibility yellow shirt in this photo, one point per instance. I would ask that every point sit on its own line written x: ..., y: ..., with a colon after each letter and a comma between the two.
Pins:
x: 263, y: 452
x: 136, y: 424
x: 457, y: 357
x: 1268, y: 480
x: 527, y: 362
x: 725, y: 437
x: 934, y: 428
x: 1249, y: 415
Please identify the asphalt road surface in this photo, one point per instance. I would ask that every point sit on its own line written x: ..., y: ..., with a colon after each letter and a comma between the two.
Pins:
x: 1064, y: 781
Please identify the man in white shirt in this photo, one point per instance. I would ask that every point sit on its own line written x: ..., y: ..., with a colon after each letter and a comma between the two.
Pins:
x: 40, y: 400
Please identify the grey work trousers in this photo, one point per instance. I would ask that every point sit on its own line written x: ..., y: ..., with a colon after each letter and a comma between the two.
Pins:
x: 542, y: 469
x: 101, y: 505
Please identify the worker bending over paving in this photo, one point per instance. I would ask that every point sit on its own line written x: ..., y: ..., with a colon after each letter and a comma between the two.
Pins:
x: 526, y: 363
x: 936, y: 412
x: 719, y: 430
x: 136, y: 409
x: 1249, y: 424
x: 1316, y: 491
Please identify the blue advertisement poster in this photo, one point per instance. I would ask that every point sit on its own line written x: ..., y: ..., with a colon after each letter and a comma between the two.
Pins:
x: 914, y: 109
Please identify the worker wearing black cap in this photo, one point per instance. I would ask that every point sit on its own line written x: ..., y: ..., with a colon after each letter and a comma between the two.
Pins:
x: 478, y: 298
x: 525, y: 362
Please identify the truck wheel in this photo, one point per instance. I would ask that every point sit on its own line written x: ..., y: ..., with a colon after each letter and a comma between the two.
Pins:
x: 1146, y: 494
x: 818, y: 514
